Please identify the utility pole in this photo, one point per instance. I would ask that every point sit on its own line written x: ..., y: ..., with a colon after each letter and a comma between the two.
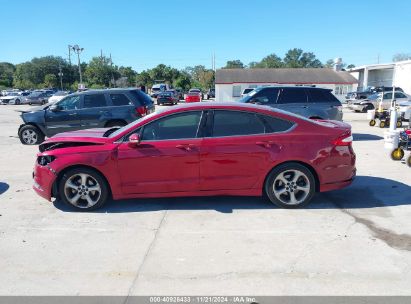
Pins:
x: 111, y: 71
x: 61, y: 77
x: 69, y: 48
x: 78, y: 50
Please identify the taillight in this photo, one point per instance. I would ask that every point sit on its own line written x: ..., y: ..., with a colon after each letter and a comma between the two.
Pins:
x: 345, y: 140
x: 141, y: 110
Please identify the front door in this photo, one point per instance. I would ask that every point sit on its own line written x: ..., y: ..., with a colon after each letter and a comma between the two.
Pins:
x: 65, y: 118
x: 167, y: 158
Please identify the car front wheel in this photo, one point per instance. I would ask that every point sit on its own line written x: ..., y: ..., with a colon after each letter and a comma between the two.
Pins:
x: 83, y: 188
x: 290, y: 185
x: 30, y: 135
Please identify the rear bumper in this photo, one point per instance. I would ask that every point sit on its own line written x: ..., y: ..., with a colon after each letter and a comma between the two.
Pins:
x: 338, y: 185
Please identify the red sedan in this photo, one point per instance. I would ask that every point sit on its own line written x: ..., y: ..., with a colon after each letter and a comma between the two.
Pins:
x: 193, y: 97
x: 201, y: 149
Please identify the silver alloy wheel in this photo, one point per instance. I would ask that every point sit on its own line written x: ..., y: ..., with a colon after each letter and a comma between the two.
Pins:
x: 29, y: 136
x: 82, y: 190
x: 291, y: 187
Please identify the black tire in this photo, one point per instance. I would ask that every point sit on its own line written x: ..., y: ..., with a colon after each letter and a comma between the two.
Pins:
x: 30, y: 135
x: 115, y: 123
x: 94, y: 179
x: 17, y: 102
x: 409, y: 161
x: 30, y: 103
x: 372, y: 122
x: 288, y: 172
x: 382, y: 124
x: 397, y: 154
x: 399, y: 123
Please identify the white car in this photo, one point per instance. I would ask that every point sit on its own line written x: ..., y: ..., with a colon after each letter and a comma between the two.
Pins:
x: 405, y: 107
x: 59, y: 95
x: 373, y: 102
x: 12, y: 98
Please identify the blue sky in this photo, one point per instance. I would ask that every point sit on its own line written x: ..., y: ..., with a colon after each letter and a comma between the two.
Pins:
x: 183, y: 33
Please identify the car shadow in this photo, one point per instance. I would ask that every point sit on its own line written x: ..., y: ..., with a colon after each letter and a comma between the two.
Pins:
x: 365, y: 192
x: 365, y: 137
x: 3, y: 187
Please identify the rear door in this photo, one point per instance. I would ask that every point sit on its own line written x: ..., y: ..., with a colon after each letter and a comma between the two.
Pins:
x: 294, y: 100
x: 94, y: 112
x: 237, y: 151
x: 66, y: 118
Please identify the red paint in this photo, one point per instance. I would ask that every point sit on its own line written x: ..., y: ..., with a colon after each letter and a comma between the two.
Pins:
x: 235, y: 165
x: 193, y: 97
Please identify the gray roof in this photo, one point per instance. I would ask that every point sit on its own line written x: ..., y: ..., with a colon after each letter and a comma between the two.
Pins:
x: 284, y: 76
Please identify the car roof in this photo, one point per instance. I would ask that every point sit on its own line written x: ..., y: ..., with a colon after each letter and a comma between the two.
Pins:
x: 104, y: 91
x: 294, y: 87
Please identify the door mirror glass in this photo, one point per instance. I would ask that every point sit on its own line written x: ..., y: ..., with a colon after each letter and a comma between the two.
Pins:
x: 134, y: 140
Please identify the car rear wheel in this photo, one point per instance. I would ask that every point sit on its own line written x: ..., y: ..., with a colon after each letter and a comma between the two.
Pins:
x: 290, y: 185
x: 30, y: 135
x: 83, y: 188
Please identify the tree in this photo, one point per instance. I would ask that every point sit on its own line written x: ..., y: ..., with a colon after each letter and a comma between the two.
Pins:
x: 329, y: 64
x: 296, y: 58
x: 201, y: 77
x: 100, y: 72
x: 350, y: 66
x: 401, y: 57
x: 129, y: 74
x: 183, y: 81
x: 234, y: 64
x: 6, y: 74
x: 50, y: 81
x: 270, y: 61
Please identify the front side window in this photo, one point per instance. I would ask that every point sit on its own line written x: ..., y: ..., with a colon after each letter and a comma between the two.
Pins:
x: 232, y: 123
x: 119, y: 100
x: 388, y: 96
x: 177, y: 126
x: 70, y: 103
x: 293, y: 96
x: 94, y: 101
x: 265, y: 96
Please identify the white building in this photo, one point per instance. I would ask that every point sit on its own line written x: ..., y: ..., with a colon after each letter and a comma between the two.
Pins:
x: 389, y: 74
x: 229, y: 83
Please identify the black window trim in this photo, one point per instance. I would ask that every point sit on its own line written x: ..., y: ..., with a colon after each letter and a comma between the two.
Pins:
x: 131, y: 103
x: 259, y: 117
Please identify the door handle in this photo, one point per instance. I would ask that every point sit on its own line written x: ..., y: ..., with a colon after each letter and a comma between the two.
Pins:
x: 188, y: 147
x: 265, y: 144
x: 72, y: 114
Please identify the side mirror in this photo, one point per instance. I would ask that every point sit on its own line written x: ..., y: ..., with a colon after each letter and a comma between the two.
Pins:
x: 134, y: 140
x: 55, y: 108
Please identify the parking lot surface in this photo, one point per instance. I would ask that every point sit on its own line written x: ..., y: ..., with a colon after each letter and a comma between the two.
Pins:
x: 355, y: 241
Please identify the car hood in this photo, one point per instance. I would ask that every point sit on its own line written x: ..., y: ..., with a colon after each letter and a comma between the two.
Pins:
x: 7, y: 97
x: 87, y: 137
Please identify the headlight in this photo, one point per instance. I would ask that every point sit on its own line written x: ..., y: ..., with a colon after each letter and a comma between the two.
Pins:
x: 45, y: 160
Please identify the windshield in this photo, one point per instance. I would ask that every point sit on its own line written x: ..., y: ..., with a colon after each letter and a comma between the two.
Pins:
x: 131, y: 125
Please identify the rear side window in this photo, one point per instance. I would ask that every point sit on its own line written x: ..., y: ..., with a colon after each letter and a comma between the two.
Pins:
x: 94, y: 101
x: 293, y: 96
x: 119, y: 100
x: 321, y: 96
x: 276, y: 124
x: 232, y: 123
x: 141, y: 97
